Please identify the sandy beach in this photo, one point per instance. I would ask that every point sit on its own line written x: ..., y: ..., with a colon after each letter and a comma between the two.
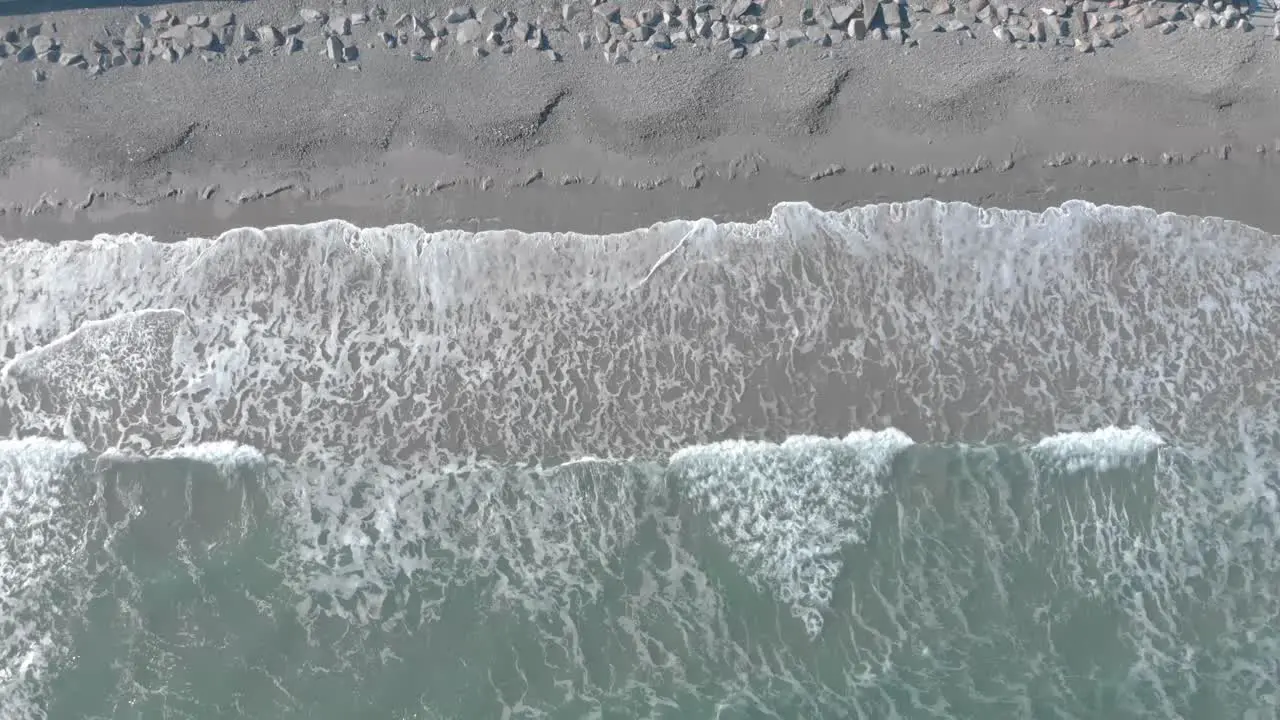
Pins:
x: 189, y: 119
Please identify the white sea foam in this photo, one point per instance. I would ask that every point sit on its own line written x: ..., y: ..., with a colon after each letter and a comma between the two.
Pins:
x: 1103, y: 449
x: 37, y: 538
x: 949, y: 321
x: 787, y: 510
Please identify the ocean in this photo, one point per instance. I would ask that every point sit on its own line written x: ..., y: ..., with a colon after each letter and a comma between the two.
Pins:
x: 918, y: 460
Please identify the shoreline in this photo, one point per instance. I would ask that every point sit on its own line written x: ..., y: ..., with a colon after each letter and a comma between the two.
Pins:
x: 1181, y: 122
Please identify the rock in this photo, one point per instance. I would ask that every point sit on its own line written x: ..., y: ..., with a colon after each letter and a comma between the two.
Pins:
x: 469, y: 30
x: 792, y: 37
x: 177, y: 32
x: 584, y: 40
x: 977, y: 6
x: 737, y: 53
x: 1083, y: 46
x: 294, y: 44
x: 247, y: 34
x: 222, y: 19
x: 871, y: 12
x: 350, y: 53
x: 71, y: 59
x: 270, y: 35
x: 858, y: 29
x: 1167, y: 28
x: 42, y: 45
x: 201, y: 39
x: 162, y: 18
x: 358, y: 19
x: 609, y: 12
x: 551, y: 55
x: 954, y: 25
x: 340, y: 25
x: 742, y: 8
x: 333, y: 48
x: 1002, y: 33
x: 841, y: 15
x: 942, y: 7
x: 458, y: 14
x: 1150, y: 18
x: 196, y: 21
x: 38, y: 75
x: 315, y: 17
x: 660, y: 41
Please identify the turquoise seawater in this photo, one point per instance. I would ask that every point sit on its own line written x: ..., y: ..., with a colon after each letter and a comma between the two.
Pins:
x: 910, y: 461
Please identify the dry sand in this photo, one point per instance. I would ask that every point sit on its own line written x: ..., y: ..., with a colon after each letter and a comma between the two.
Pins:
x: 601, y: 139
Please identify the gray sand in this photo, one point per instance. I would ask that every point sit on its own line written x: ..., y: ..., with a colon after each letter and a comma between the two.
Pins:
x: 566, y: 138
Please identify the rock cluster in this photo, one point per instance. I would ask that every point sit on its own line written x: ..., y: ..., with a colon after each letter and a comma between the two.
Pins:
x: 738, y: 28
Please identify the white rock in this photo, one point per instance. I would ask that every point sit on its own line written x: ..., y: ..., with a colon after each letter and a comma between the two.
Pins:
x: 313, y: 16
x: 469, y: 30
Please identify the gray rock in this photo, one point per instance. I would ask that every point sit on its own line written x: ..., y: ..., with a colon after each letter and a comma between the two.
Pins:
x: 177, y: 32
x: 222, y: 19
x: 197, y: 21
x: 33, y: 30
x: 358, y: 19
x: 38, y: 75
x: 458, y: 14
x: 201, y: 38
x: 608, y: 11
x: 858, y: 29
x: 871, y: 12
x: 584, y: 40
x: 315, y: 17
x: 270, y: 35
x: 388, y: 39
x: 294, y: 29
x: 1167, y: 28
x: 1150, y: 19
x: 469, y: 30
x: 42, y: 44
x: 818, y: 35
x: 742, y: 8
x: 842, y: 14
x: 1002, y: 33
x: 247, y: 34
x: 333, y: 48
x: 791, y: 37
x: 954, y: 25
x: 660, y: 41
x: 72, y: 59
x: 738, y: 52
x: 340, y: 25
x: 350, y: 53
